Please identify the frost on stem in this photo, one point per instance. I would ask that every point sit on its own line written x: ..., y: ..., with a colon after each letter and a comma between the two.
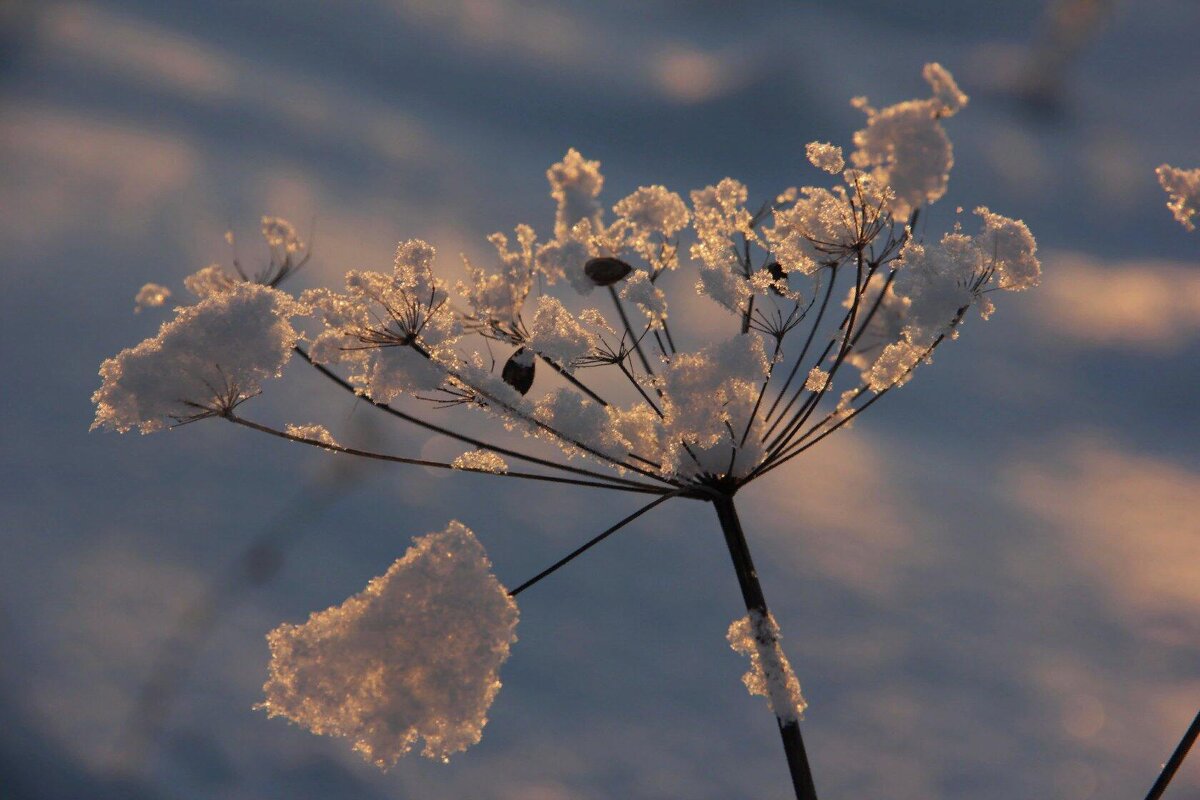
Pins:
x: 415, y: 655
x: 770, y: 675
x: 316, y: 433
x: 1183, y: 188
x: 212, y: 356
x: 480, y: 461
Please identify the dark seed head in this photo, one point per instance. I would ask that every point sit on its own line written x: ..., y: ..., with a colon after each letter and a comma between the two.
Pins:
x: 777, y: 274
x: 518, y: 370
x: 606, y: 271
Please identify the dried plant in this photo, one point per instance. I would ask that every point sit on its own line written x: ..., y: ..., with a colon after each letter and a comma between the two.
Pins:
x: 831, y: 302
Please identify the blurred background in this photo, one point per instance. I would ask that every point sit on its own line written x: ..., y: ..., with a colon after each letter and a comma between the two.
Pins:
x: 990, y: 587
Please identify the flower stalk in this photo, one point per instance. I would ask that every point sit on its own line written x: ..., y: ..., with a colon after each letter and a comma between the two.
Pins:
x: 756, y: 604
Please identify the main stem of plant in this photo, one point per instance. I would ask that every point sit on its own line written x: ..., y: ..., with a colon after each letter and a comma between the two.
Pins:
x: 752, y: 594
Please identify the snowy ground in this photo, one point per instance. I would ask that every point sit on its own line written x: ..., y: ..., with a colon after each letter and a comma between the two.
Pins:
x: 990, y: 588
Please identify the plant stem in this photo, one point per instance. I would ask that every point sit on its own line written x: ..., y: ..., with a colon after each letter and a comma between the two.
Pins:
x: 752, y: 594
x: 1172, y: 765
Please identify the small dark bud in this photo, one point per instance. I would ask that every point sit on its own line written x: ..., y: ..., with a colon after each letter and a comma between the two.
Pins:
x: 606, y: 271
x: 777, y: 274
x: 518, y: 370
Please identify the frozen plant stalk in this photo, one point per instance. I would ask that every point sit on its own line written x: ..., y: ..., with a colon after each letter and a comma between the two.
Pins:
x: 831, y: 303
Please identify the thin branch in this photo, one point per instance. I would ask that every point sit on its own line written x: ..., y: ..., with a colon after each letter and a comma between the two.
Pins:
x: 803, y: 352
x: 429, y: 426
x: 637, y: 341
x: 1173, y: 763
x: 578, y: 384
x: 562, y: 562
x: 420, y: 462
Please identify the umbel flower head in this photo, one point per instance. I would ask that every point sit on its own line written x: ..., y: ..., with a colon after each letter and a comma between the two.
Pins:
x: 827, y: 299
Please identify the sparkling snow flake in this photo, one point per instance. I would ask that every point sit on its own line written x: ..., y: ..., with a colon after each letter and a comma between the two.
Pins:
x: 316, y: 433
x: 480, y: 461
x: 770, y: 675
x: 413, y: 656
x: 825, y: 156
x: 1183, y: 188
x: 152, y: 295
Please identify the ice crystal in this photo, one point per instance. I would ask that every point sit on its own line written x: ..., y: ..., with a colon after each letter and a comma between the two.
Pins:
x: 210, y: 280
x: 371, y: 327
x: 152, y: 295
x: 1183, y: 188
x: 480, y: 461
x: 315, y: 433
x: 945, y: 90
x: 575, y: 183
x: 770, y: 675
x: 558, y: 335
x: 825, y: 156
x: 817, y: 379
x: 415, y: 655
x: 907, y: 145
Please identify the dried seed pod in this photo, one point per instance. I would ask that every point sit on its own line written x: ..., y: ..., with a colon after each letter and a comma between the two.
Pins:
x: 777, y: 274
x: 518, y: 370
x: 606, y: 271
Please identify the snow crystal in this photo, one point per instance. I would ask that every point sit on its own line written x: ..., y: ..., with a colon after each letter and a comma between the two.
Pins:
x: 316, y: 433
x: 212, y: 354
x: 728, y: 288
x: 907, y: 146
x: 1010, y: 247
x: 884, y: 327
x: 575, y: 183
x: 719, y: 212
x: 649, y: 298
x: 394, y: 330
x: 705, y: 395
x: 652, y: 210
x: 940, y: 281
x: 945, y: 90
x: 566, y: 257
x: 825, y: 156
x: 558, y: 335
x: 281, y: 236
x: 414, y: 655
x: 210, y: 280
x: 501, y: 295
x: 1183, y: 188
x: 818, y: 226
x: 480, y: 461
x: 894, y: 365
x: 152, y: 295
x: 770, y: 675
x: 580, y: 420
x: 399, y: 370
x: 817, y: 379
